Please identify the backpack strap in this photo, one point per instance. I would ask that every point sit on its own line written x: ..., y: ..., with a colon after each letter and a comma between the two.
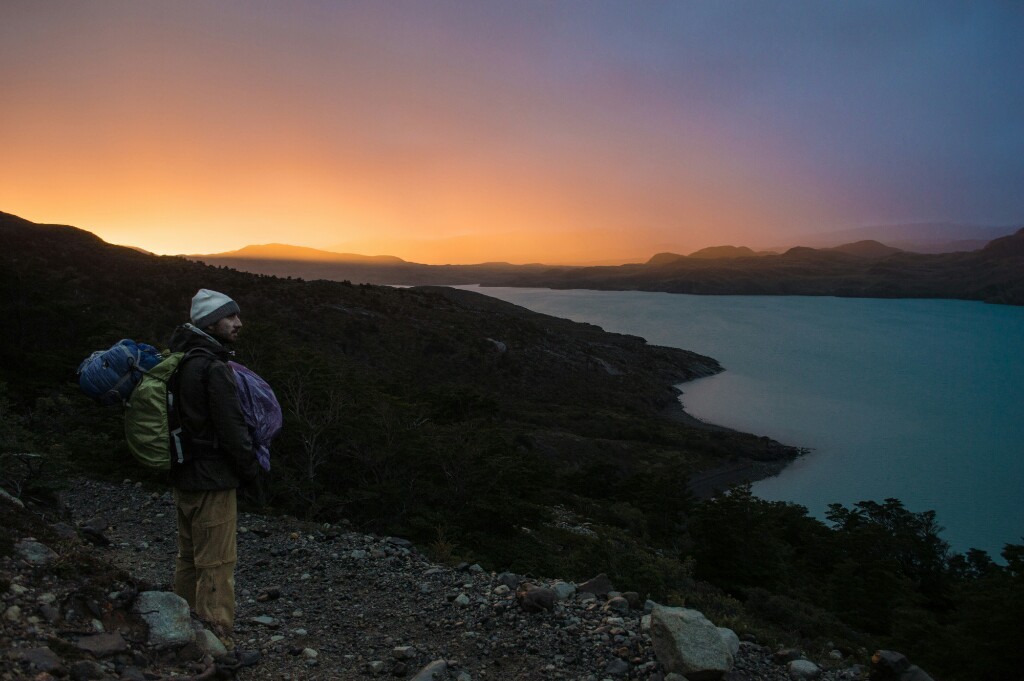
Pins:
x: 184, y: 447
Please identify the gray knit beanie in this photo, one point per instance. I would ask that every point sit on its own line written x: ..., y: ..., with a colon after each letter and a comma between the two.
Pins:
x: 209, y: 307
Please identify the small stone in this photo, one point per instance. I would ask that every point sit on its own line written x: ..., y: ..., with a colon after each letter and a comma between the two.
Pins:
x: 633, y: 598
x: 84, y: 670
x: 299, y: 632
x: 46, y: 598
x: 501, y: 590
x: 617, y: 667
x: 563, y: 590
x: 305, y: 576
x: 309, y: 653
x: 376, y: 666
x: 803, y: 669
x: 17, y: 589
x: 34, y: 552
x: 357, y: 554
x: 403, y: 652
x: 462, y: 600
x: 476, y: 569
x: 103, y: 645
x: 509, y: 579
x: 463, y: 676
x: 265, y: 620
x: 835, y: 655
x: 12, y: 614
x: 617, y: 604
x: 42, y: 659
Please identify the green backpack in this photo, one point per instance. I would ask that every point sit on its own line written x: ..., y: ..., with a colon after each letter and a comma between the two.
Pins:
x: 152, y: 417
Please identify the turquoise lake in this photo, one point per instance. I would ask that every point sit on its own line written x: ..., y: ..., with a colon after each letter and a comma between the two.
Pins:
x: 915, y: 399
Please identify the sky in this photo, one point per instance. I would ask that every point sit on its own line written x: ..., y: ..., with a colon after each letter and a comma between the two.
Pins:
x: 586, y: 131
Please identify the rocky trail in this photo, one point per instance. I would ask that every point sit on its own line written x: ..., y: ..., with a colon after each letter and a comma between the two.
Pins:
x: 323, y: 602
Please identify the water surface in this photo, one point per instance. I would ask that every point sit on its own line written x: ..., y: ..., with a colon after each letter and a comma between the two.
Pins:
x: 915, y: 399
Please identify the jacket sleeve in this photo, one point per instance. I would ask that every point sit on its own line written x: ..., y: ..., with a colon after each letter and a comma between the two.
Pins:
x: 229, y: 423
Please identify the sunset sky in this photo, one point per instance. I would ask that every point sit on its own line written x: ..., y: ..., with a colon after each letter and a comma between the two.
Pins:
x: 520, y: 131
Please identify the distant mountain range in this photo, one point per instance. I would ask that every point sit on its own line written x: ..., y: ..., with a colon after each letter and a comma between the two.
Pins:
x: 864, y: 268
x: 918, y: 237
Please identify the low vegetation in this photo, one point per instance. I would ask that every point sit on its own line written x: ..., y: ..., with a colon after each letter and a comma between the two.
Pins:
x: 489, y: 433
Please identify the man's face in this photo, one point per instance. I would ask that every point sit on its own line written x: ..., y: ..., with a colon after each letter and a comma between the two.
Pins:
x: 226, y: 329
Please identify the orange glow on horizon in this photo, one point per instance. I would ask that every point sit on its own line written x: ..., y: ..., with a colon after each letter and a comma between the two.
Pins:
x: 221, y: 145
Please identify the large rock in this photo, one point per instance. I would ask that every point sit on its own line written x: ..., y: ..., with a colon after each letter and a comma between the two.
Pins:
x: 34, y: 552
x: 536, y: 598
x: 563, y: 590
x: 730, y: 639
x: 599, y: 586
x: 166, y: 614
x: 889, y: 664
x: 103, y: 645
x: 435, y: 671
x: 803, y: 669
x: 43, y: 659
x: 687, y: 643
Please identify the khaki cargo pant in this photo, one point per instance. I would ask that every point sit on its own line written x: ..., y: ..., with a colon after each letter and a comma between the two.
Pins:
x: 204, y: 573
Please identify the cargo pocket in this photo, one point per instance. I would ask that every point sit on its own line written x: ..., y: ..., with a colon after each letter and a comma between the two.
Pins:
x: 215, y: 543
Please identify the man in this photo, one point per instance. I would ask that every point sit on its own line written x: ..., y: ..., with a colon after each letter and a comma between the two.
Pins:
x: 219, y: 459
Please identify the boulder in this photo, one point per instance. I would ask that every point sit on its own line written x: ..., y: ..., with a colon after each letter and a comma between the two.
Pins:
x: 435, y: 671
x: 686, y: 643
x: 35, y: 553
x: 803, y: 669
x: 43, y: 659
x: 509, y: 579
x: 889, y: 664
x: 599, y: 585
x: 103, y: 645
x: 209, y: 643
x: 730, y: 639
x: 563, y: 590
x: 166, y: 614
x: 536, y: 598
x: 617, y: 605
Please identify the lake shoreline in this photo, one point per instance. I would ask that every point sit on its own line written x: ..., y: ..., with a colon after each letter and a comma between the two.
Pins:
x: 740, y: 470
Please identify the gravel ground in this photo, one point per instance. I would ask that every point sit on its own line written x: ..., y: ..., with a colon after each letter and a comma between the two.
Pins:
x: 322, y: 602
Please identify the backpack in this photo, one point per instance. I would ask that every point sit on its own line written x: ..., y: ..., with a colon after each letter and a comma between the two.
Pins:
x: 109, y: 376
x: 152, y: 418
x: 261, y: 410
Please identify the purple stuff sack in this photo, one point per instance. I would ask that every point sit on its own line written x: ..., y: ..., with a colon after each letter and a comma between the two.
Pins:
x: 261, y: 410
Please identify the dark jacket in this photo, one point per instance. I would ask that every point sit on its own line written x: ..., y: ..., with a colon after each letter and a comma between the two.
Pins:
x: 211, y: 413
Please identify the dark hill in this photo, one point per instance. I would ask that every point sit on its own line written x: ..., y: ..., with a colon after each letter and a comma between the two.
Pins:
x: 868, y: 248
x: 288, y: 252
x: 716, y: 252
x: 411, y: 409
x: 994, y: 274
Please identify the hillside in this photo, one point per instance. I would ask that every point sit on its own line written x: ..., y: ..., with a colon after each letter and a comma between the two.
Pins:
x: 423, y: 411
x: 484, y: 433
